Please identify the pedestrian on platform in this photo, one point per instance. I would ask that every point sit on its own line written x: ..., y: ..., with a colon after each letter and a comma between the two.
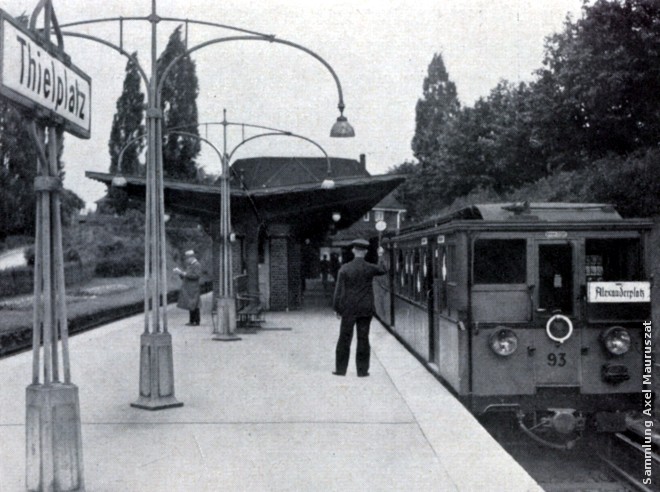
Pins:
x: 190, y: 288
x: 353, y: 301
x: 325, y: 269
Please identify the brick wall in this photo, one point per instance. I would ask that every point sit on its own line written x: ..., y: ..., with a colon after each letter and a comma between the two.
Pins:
x: 295, y: 274
x: 279, y: 273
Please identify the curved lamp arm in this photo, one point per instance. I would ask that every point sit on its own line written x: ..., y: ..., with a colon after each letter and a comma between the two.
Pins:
x: 340, y: 129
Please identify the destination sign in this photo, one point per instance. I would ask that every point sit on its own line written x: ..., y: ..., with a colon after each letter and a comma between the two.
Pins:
x: 619, y: 292
x: 38, y: 77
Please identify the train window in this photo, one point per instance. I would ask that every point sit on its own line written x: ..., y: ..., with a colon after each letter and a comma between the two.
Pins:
x: 556, y: 277
x: 439, y: 280
x: 417, y: 274
x: 612, y: 259
x: 500, y: 261
x: 449, y: 266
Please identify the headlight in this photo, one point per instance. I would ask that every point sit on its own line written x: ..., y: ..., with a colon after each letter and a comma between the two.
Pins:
x: 616, y: 340
x: 503, y: 342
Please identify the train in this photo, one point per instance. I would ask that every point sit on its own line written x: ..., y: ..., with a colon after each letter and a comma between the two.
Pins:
x: 535, y: 309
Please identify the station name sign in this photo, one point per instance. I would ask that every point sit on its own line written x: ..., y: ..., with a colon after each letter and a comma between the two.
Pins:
x: 619, y: 292
x: 35, y: 76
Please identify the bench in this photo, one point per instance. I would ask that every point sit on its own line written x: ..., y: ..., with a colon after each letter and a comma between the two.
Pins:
x: 249, y: 311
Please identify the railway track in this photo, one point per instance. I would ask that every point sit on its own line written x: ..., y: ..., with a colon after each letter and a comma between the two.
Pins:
x: 633, y: 456
x: 598, y: 463
x: 20, y: 340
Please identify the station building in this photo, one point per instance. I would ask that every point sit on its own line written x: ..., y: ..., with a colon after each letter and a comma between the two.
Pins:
x: 281, y: 216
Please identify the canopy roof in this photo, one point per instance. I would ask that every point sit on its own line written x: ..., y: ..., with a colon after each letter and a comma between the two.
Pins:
x: 305, y: 206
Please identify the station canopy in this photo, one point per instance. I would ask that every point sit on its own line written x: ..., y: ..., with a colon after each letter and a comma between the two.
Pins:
x: 285, y: 190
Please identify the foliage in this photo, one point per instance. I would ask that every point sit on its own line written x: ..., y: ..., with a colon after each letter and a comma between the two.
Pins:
x: 118, y: 244
x: 599, y: 90
x: 18, y: 163
x: 631, y: 184
x: 127, y: 126
x: 127, y: 123
x: 179, y: 104
x: 409, y: 190
x: 18, y: 168
x: 434, y: 111
x: 595, y: 104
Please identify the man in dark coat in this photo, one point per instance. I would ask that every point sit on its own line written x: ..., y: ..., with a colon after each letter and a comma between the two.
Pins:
x: 354, y: 302
x: 190, y: 289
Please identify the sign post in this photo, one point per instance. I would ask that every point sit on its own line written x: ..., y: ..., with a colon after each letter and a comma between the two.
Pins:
x: 38, y: 75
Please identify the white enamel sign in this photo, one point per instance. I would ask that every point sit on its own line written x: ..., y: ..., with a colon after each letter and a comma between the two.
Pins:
x: 36, y: 77
x: 619, y: 292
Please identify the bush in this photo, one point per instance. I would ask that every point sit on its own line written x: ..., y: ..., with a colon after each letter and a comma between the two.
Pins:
x: 12, y: 242
x: 121, y: 257
x: 632, y: 185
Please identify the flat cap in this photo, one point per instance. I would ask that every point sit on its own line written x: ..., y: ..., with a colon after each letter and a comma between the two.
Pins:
x: 190, y: 252
x: 360, y: 243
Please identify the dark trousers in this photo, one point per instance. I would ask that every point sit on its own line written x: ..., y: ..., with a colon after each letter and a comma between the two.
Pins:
x: 343, y: 351
x: 194, y: 316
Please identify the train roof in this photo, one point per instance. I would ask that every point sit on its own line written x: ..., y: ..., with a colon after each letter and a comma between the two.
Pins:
x: 549, y: 212
x: 529, y: 212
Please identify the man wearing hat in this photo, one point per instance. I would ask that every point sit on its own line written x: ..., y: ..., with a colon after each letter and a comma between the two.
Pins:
x: 354, y: 302
x: 190, y: 290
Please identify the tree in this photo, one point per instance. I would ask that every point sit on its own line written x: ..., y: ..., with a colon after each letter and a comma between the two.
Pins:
x: 127, y: 123
x: 126, y: 127
x: 18, y: 168
x: 599, y: 91
x: 408, y: 192
x: 434, y: 111
x: 179, y: 105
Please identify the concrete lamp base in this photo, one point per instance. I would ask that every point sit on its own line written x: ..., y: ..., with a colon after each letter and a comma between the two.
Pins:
x: 225, y: 324
x: 156, y: 373
x: 54, y: 441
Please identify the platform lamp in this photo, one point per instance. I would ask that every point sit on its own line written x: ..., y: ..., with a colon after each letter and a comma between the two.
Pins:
x: 336, y: 217
x: 381, y: 225
x: 342, y: 128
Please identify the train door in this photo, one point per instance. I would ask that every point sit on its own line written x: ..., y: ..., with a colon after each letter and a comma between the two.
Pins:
x: 438, y: 276
x: 558, y: 360
x: 556, y: 278
x: 427, y: 262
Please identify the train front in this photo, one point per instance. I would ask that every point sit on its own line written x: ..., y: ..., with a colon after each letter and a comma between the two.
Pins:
x: 560, y: 317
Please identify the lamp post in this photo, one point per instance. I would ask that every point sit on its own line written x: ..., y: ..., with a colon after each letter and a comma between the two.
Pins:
x: 156, y: 365
x: 223, y: 312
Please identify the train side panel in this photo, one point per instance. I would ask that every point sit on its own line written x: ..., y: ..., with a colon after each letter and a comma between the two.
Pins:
x: 452, y: 366
x: 382, y: 299
x: 411, y: 324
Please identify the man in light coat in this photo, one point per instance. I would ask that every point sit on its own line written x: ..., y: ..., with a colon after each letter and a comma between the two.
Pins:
x: 354, y: 302
x: 190, y: 288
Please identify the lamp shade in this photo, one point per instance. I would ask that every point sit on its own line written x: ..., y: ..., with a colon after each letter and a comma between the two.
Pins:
x: 328, y: 184
x: 119, y: 181
x: 342, y: 128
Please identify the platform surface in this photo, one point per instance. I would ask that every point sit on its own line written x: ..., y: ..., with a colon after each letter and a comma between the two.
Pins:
x: 263, y: 414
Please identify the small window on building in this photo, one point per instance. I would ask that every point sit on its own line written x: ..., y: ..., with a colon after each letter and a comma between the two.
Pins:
x: 379, y: 215
x: 500, y: 261
x: 366, y: 217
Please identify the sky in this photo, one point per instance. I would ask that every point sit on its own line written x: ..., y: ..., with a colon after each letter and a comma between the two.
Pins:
x: 379, y: 49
